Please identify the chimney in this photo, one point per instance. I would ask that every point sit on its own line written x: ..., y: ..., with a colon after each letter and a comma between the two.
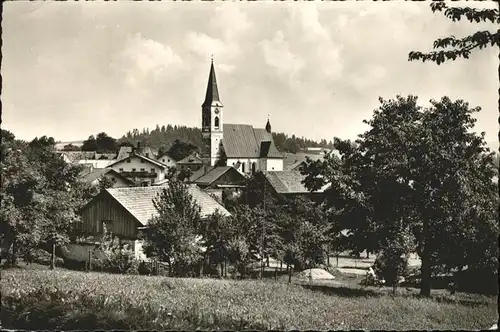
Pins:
x: 204, y: 169
x: 139, y: 147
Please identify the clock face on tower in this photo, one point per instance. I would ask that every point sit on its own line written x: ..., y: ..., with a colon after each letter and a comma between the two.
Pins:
x: 216, y: 111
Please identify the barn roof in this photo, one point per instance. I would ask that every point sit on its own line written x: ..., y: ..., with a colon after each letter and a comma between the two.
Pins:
x: 214, y: 174
x: 139, y: 201
x: 244, y: 141
x: 288, y: 182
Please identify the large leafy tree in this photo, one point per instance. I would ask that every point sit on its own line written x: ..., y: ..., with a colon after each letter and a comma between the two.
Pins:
x: 452, y: 48
x: 172, y: 235
x: 181, y: 149
x: 102, y: 143
x: 422, y: 173
x: 38, y: 197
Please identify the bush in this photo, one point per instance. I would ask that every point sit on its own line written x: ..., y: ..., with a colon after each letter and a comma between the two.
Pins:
x: 43, y: 257
x: 390, y: 265
x: 115, y: 257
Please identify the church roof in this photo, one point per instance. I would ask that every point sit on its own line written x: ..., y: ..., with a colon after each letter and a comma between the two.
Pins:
x: 212, y: 90
x: 244, y: 141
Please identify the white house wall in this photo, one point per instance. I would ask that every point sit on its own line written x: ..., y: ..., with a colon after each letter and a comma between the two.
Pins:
x: 246, y: 162
x: 135, y: 163
x: 274, y: 164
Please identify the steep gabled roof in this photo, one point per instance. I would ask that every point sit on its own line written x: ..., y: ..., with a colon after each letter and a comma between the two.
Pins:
x: 98, y: 172
x: 289, y: 182
x: 215, y: 173
x: 193, y: 158
x: 200, y: 172
x: 149, y: 160
x: 244, y: 141
x: 138, y: 201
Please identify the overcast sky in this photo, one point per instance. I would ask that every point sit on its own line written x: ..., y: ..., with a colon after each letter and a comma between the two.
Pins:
x: 72, y: 69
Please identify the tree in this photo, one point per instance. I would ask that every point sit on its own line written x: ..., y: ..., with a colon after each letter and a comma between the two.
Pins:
x: 453, y: 48
x: 106, y: 143
x: 216, y: 232
x: 71, y: 147
x: 171, y: 236
x: 423, y: 172
x: 180, y: 150
x: 90, y: 144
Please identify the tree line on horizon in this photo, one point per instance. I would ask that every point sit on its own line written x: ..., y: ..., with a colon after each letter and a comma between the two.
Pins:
x: 164, y: 137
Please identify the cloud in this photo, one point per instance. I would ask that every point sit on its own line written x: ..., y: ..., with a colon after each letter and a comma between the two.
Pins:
x: 277, y: 54
x: 144, y: 59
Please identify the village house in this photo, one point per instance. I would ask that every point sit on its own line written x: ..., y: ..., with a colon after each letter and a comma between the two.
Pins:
x: 93, y: 175
x: 124, y: 212
x: 215, y: 180
x: 140, y: 169
x: 97, y: 160
x: 246, y: 148
x: 166, y: 159
x: 193, y: 162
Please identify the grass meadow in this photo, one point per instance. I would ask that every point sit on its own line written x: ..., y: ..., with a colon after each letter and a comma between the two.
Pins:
x: 66, y: 300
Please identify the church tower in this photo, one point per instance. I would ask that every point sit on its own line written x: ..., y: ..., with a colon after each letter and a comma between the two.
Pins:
x: 212, y: 122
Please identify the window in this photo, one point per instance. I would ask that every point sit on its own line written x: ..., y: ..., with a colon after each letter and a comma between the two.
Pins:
x: 254, y: 166
x: 121, y: 170
x: 168, y: 160
x: 128, y: 161
x: 152, y: 170
x: 142, y: 161
x: 273, y: 168
x: 143, y: 170
x: 163, y: 160
x: 147, y: 155
x: 243, y: 167
x: 216, y: 122
x: 133, y: 169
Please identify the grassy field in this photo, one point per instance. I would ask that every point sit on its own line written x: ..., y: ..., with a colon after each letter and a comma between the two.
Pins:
x: 61, y: 299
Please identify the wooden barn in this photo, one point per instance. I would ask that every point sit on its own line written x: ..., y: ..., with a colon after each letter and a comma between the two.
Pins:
x: 123, y: 211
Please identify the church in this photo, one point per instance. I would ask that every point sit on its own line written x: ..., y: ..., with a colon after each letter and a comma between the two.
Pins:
x: 241, y: 146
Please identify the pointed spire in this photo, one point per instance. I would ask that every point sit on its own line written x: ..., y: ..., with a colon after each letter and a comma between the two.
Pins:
x: 212, y: 91
x: 268, y: 125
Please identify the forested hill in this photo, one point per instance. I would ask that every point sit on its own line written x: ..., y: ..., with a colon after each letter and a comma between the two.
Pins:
x: 162, y: 138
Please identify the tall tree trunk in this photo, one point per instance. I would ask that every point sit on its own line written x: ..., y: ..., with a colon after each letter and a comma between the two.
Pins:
x: 53, y: 257
x: 289, y: 268
x: 221, y: 269
x: 13, y: 257
x: 426, y: 272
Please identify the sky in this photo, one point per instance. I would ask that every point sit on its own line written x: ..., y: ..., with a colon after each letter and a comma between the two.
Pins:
x: 73, y: 69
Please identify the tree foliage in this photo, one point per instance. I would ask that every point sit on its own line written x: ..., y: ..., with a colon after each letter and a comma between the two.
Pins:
x: 452, y: 48
x: 102, y: 143
x: 172, y: 235
x: 421, y: 172
x: 38, y: 198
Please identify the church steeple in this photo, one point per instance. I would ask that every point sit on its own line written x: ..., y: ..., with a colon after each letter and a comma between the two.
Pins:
x: 212, y: 94
x: 212, y: 120
x: 268, y: 125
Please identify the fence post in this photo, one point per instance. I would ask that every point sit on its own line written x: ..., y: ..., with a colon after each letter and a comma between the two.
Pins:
x: 90, y: 260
